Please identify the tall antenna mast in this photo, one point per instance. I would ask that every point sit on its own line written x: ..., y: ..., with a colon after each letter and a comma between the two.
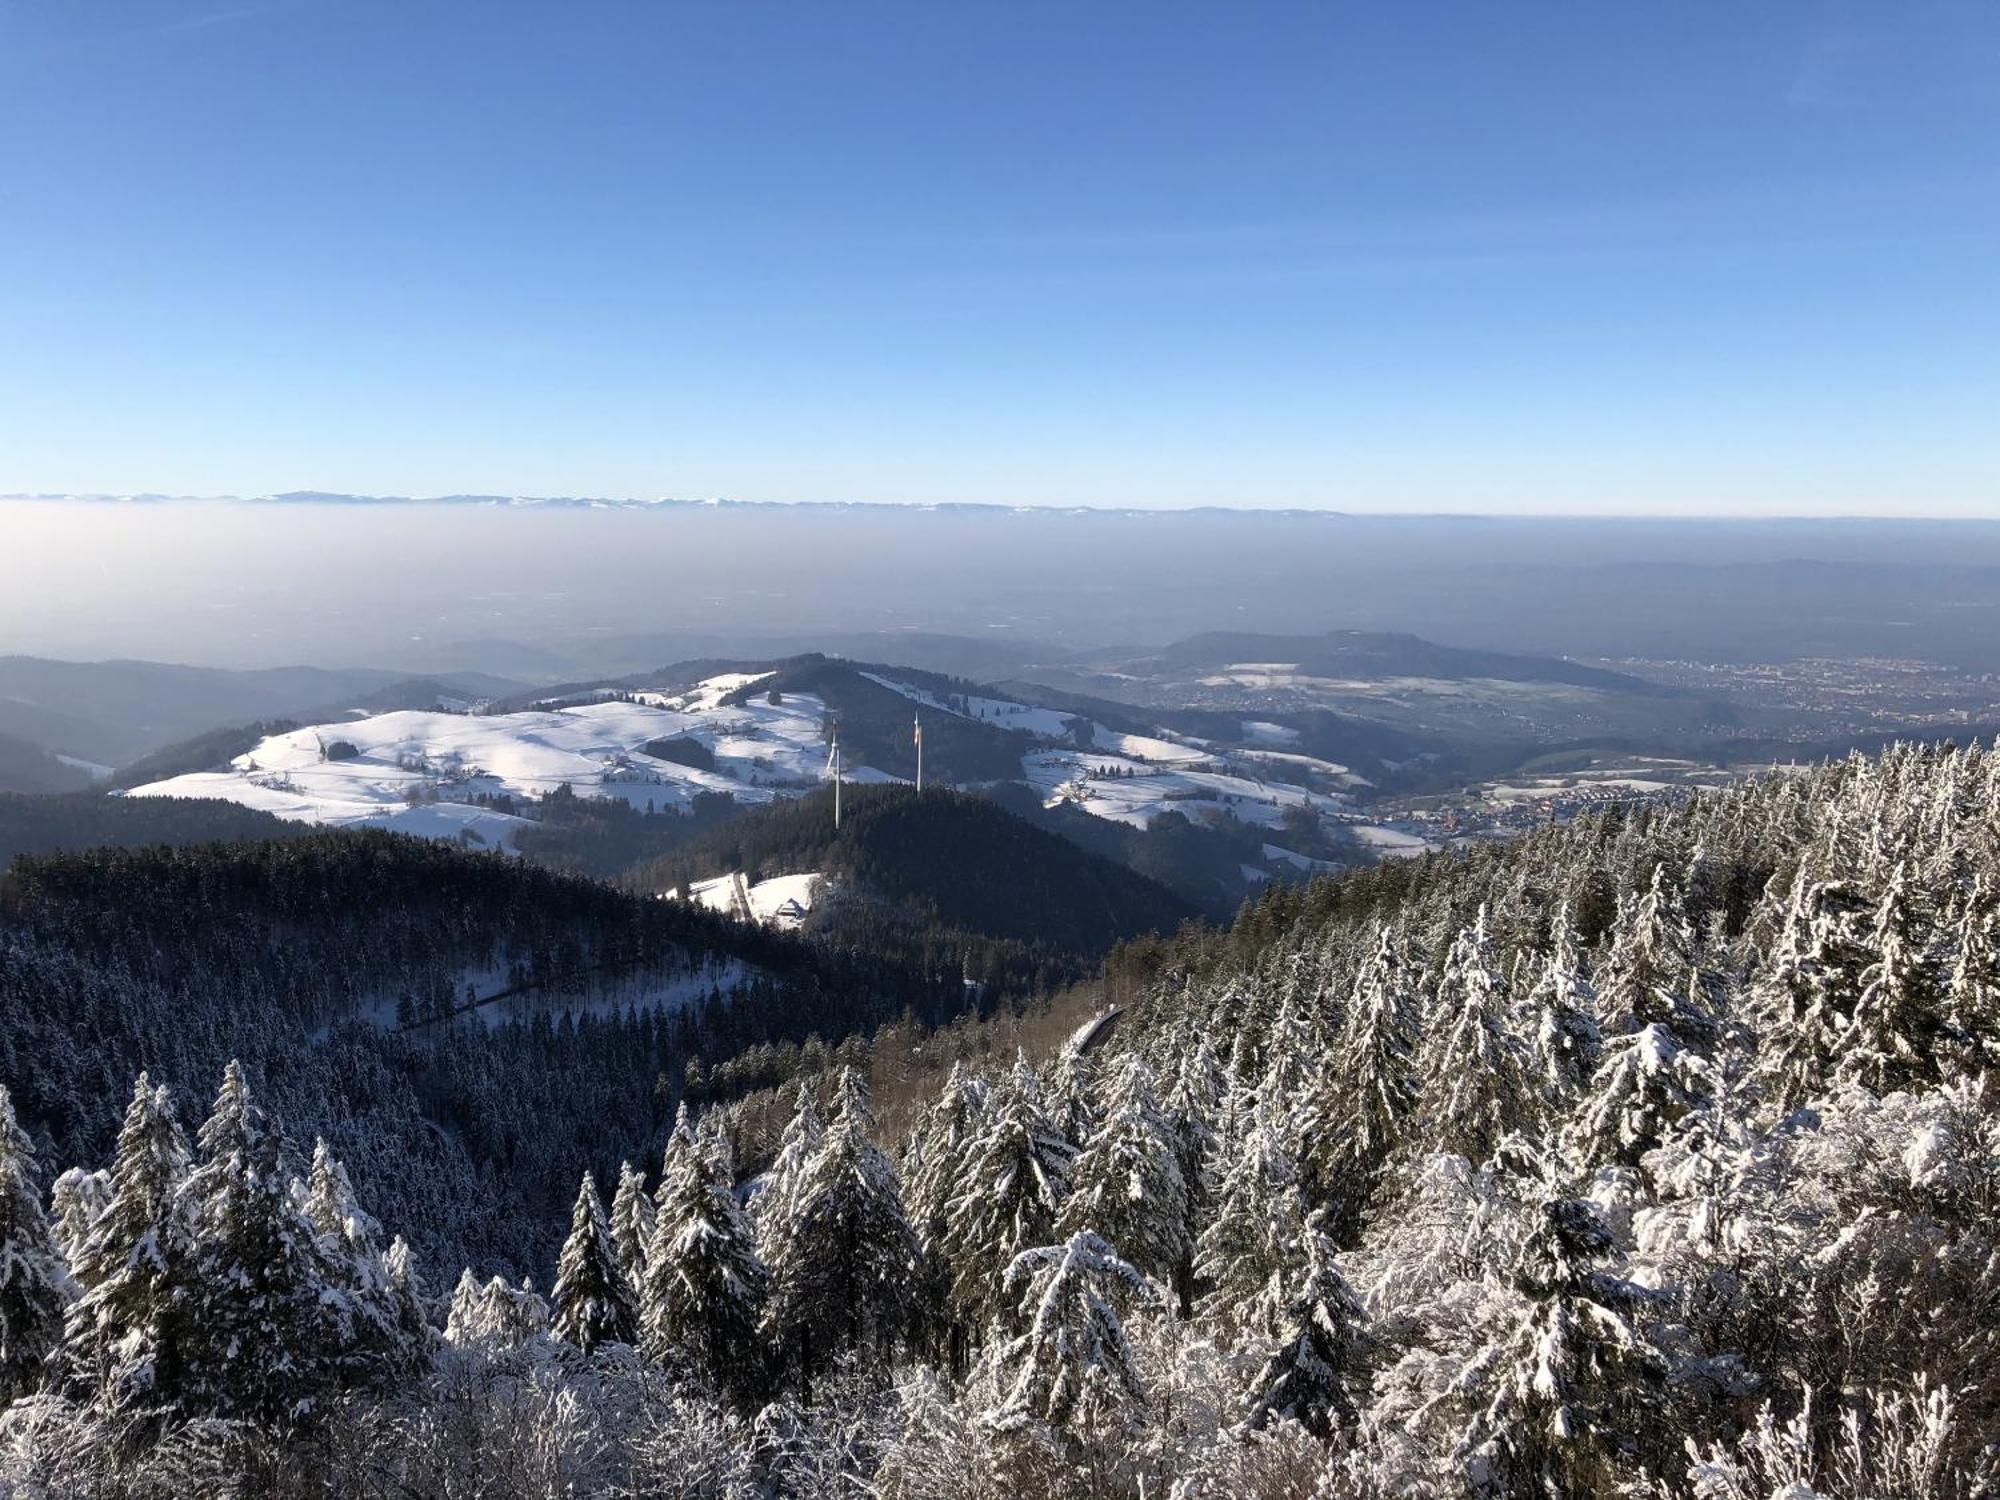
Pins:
x: 917, y: 721
x: 833, y: 765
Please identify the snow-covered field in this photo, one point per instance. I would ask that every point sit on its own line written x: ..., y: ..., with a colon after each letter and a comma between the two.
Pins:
x: 1311, y: 765
x: 419, y: 772
x: 783, y: 901
x: 1278, y: 855
x: 1136, y: 792
x: 495, y: 1002
x: 1263, y: 732
x: 1146, y: 747
x: 1389, y: 841
x: 617, y: 995
x: 1001, y: 713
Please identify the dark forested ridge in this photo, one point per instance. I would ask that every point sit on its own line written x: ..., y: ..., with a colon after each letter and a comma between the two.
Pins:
x: 40, y: 824
x: 1651, y: 1155
x: 950, y: 857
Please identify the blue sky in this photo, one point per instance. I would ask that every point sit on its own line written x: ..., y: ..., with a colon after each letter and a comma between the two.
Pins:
x: 1699, y: 258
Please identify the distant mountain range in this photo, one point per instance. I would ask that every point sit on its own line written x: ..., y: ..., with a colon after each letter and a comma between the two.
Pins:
x: 606, y: 502
x: 548, y: 589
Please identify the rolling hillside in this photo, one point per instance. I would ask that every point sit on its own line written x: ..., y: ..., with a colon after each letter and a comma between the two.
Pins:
x: 756, y: 733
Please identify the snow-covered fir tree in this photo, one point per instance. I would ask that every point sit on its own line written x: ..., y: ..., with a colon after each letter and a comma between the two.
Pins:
x: 267, y: 1315
x: 1070, y: 1094
x: 1010, y: 1196
x: 1972, y: 986
x: 1899, y: 1023
x: 35, y: 1285
x: 380, y: 1323
x: 1374, y: 1074
x: 703, y: 1301
x: 934, y: 1162
x: 1560, y: 1006
x: 937, y: 1154
x: 1194, y: 1106
x: 1803, y: 997
x: 1126, y: 1182
x: 124, y: 1339
x: 632, y: 1217
x: 1650, y: 972
x: 1645, y: 1082
x: 494, y: 1318
x: 75, y: 1200
x: 1475, y: 1081
x: 594, y: 1303
x: 1568, y: 1371
x: 1249, y: 1240
x: 1071, y: 1369
x: 796, y: 1149
x: 844, y: 1260
x: 1315, y: 1365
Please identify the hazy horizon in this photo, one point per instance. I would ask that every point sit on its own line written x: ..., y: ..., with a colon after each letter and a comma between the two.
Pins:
x: 500, y: 500
x: 547, y: 591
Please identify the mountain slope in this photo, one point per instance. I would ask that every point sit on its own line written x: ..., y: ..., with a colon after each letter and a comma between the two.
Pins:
x: 27, y: 767
x: 1659, y: 1143
x: 956, y: 859
x: 320, y: 961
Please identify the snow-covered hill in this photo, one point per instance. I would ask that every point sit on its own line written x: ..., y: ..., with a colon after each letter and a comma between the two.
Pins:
x: 1133, y: 778
x: 425, y: 773
x: 468, y: 776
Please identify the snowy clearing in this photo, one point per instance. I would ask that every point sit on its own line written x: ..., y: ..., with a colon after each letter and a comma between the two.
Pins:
x: 783, y: 901
x: 1310, y: 764
x: 1001, y: 713
x: 1262, y: 732
x: 1389, y: 841
x: 1282, y: 856
x: 1143, y: 747
x: 1135, y: 792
